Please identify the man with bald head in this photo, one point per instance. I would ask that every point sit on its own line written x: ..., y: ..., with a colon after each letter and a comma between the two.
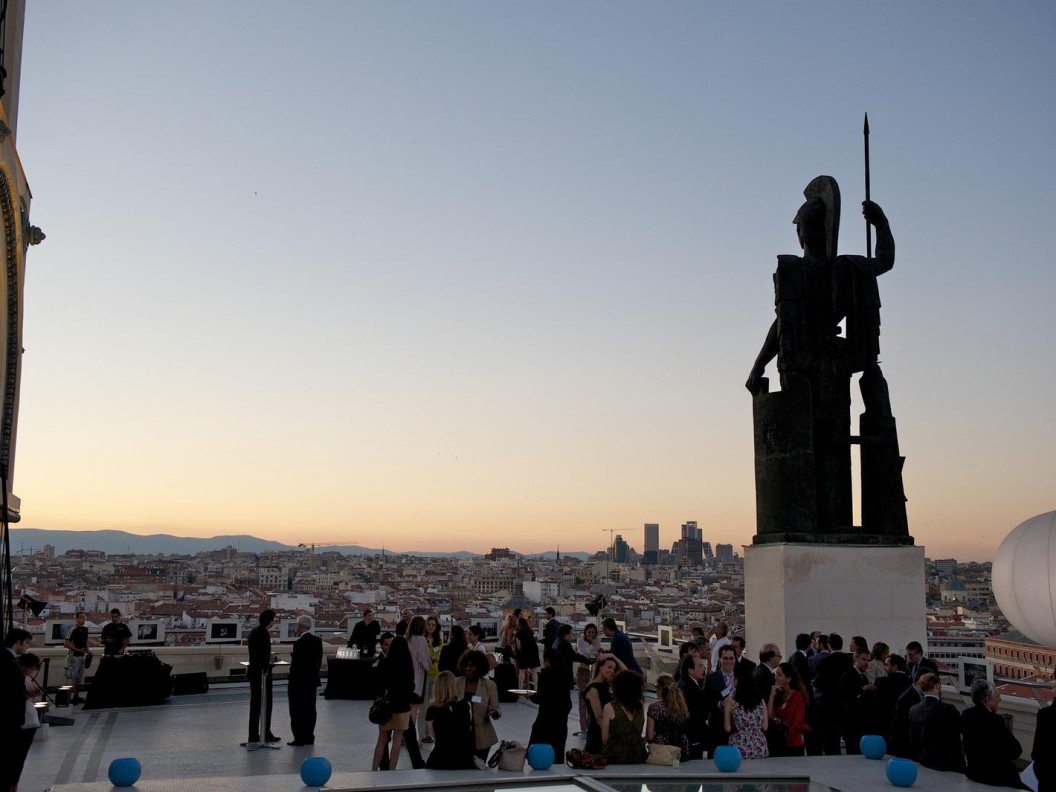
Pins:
x: 769, y: 658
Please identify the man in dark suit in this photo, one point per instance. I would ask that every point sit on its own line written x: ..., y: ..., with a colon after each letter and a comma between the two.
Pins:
x: 1041, y: 752
x: 857, y: 693
x: 935, y: 729
x: 306, y: 658
x: 718, y: 685
x: 620, y: 644
x: 800, y: 658
x: 550, y: 628
x: 738, y: 644
x: 769, y: 659
x: 916, y: 662
x: 260, y: 669
x: 691, y: 683
x: 888, y: 690
x: 827, y: 678
x: 990, y: 748
x: 12, y: 702
x: 901, y: 735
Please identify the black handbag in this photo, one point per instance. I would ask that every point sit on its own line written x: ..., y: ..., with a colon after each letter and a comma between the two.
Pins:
x: 380, y: 710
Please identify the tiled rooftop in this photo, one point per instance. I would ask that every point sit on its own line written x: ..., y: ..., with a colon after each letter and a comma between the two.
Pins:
x: 192, y: 742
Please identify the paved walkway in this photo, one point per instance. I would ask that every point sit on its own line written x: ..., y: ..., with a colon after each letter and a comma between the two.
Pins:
x: 192, y: 742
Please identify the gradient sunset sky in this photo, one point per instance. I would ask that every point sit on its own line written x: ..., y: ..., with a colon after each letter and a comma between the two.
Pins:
x: 444, y: 276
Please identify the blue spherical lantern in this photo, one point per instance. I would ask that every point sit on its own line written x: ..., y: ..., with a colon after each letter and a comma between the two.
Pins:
x: 540, y: 756
x: 873, y: 746
x: 902, y: 772
x: 728, y: 758
x: 315, y: 771
x: 124, y: 772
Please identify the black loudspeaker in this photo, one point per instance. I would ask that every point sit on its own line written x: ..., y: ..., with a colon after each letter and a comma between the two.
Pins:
x: 183, y: 684
x: 505, y: 680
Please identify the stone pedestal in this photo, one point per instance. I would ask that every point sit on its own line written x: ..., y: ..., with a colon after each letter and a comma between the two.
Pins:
x: 876, y: 592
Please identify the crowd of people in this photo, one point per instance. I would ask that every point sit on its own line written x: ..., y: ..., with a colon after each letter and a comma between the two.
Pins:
x: 821, y: 700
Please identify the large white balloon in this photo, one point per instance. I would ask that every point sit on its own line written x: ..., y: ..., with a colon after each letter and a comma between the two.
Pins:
x: 1024, y: 577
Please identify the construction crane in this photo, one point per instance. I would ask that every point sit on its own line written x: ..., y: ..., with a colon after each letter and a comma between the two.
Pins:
x: 310, y: 547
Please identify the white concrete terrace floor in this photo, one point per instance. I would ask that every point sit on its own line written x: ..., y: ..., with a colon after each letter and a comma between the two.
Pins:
x: 192, y: 743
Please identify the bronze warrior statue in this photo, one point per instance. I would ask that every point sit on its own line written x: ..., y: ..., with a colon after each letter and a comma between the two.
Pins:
x: 827, y: 329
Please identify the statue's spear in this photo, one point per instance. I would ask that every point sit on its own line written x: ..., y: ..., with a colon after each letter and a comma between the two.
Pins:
x: 868, y: 228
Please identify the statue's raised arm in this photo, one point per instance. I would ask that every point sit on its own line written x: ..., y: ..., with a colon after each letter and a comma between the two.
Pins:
x: 884, y: 259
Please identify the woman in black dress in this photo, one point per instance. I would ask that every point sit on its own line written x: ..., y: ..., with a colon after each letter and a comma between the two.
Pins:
x: 527, y: 654
x: 597, y: 694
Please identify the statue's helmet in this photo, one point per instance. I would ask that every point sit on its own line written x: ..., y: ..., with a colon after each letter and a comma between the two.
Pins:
x: 820, y: 214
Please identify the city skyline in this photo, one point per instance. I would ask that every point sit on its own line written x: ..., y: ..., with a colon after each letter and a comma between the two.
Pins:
x: 418, y: 276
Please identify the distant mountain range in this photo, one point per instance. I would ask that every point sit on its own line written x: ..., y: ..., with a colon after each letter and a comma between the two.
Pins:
x: 29, y: 540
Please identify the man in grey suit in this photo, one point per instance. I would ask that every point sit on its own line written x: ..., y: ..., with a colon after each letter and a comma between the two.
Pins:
x: 306, y: 659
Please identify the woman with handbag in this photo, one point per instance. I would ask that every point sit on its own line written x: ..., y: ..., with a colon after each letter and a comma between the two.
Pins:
x: 483, y: 695
x: 396, y: 682
x: 667, y: 717
x: 452, y: 722
x: 788, y: 703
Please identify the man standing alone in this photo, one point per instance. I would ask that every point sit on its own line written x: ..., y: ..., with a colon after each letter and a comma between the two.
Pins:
x: 260, y: 669
x: 307, y: 658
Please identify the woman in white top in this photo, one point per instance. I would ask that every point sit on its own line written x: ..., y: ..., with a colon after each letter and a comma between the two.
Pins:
x: 588, y: 645
x: 420, y: 659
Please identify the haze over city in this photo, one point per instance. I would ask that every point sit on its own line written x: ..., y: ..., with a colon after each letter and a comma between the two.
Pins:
x: 462, y: 275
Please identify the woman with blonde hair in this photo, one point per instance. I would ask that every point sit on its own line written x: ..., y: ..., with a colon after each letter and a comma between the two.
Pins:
x: 668, y: 717
x: 450, y: 717
x: 878, y: 662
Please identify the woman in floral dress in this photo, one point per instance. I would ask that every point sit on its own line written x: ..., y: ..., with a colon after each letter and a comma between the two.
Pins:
x: 745, y: 716
x: 668, y: 716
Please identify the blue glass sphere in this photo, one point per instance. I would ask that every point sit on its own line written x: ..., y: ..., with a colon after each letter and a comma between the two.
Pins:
x: 316, y: 771
x: 124, y: 772
x: 902, y: 772
x: 873, y: 746
x: 540, y: 756
x: 727, y: 758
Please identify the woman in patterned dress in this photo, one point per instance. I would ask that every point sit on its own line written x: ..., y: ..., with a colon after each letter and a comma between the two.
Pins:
x: 744, y: 716
x: 668, y: 716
